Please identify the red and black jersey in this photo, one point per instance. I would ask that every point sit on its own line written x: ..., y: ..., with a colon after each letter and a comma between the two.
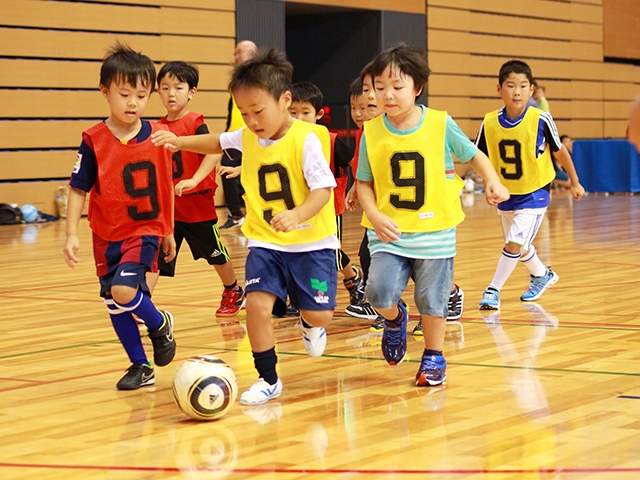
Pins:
x: 197, y: 205
x: 132, y: 193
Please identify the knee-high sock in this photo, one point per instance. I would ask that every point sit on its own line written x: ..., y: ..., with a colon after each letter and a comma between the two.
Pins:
x: 143, y: 307
x: 533, y: 263
x: 506, y: 266
x: 127, y: 331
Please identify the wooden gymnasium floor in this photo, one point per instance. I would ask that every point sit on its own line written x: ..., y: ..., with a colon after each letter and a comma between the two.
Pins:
x: 547, y: 390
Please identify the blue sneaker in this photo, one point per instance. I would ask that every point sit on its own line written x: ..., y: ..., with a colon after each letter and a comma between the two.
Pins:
x: 394, y: 338
x: 432, y: 371
x: 490, y: 299
x: 538, y: 285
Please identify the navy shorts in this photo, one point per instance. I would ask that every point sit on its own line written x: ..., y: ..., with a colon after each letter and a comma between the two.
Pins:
x: 125, y: 262
x: 308, y: 278
x: 204, y: 241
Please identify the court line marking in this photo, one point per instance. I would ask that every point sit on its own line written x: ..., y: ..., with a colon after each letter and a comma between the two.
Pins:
x: 457, y: 471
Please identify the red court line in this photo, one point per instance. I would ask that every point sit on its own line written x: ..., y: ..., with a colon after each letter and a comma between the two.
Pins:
x: 458, y: 471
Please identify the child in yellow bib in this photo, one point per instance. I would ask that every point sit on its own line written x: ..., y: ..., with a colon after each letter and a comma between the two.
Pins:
x: 410, y: 196
x: 290, y: 223
x: 519, y: 140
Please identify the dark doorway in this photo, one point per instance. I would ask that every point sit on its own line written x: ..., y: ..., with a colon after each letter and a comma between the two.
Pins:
x: 329, y: 46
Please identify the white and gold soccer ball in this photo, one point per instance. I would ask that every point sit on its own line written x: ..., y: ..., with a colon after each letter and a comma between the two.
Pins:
x: 205, y: 387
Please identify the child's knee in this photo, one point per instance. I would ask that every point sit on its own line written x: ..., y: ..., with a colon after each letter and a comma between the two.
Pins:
x: 317, y: 318
x: 123, y: 294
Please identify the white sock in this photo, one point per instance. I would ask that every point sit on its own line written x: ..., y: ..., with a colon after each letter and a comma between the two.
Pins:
x: 506, y: 266
x: 533, y: 263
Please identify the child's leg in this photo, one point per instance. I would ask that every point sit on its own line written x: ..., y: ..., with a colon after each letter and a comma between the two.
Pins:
x: 227, y: 274
x: 432, y: 293
x: 262, y: 339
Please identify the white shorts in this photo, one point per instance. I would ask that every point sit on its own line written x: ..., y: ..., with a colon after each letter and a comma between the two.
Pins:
x: 521, y: 226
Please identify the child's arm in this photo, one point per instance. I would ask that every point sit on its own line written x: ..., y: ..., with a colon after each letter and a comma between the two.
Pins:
x: 75, y: 206
x: 386, y: 229
x: 564, y: 157
x: 287, y: 220
x: 208, y: 144
x: 230, y: 172
x: 207, y: 165
x: 494, y: 191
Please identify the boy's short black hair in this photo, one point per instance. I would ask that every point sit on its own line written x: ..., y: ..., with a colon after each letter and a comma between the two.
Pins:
x: 307, y: 92
x: 355, y: 89
x: 366, y: 72
x: 409, y: 60
x: 268, y: 69
x: 124, y: 65
x: 517, y: 67
x: 183, y: 71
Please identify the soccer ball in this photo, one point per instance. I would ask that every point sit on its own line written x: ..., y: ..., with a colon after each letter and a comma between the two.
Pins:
x: 29, y: 213
x: 204, y: 387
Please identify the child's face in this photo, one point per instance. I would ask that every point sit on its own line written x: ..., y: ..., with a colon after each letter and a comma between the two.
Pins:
x: 126, y: 102
x: 359, y: 113
x: 304, y: 111
x: 515, y: 92
x: 369, y: 96
x: 175, y: 96
x: 568, y: 143
x: 396, y: 92
x: 265, y: 116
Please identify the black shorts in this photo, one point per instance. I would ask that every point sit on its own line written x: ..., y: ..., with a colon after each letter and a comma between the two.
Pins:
x: 204, y: 241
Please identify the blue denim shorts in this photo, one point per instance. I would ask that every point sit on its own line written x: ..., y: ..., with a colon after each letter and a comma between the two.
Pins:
x: 389, y: 274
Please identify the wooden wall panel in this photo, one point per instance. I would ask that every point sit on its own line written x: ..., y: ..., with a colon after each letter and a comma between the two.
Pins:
x: 406, y: 6
x: 50, y: 57
x: 622, y: 29
x: 89, y: 104
x: 563, y: 42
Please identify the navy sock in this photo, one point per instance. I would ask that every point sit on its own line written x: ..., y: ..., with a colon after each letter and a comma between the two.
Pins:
x: 127, y: 331
x: 143, y: 307
x: 429, y: 353
x: 265, y: 363
x: 233, y: 285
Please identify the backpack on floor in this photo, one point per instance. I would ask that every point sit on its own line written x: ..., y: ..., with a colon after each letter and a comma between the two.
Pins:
x: 9, y: 215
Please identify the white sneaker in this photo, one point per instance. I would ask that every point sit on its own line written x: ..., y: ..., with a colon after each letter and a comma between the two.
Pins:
x: 314, y: 340
x: 261, y: 392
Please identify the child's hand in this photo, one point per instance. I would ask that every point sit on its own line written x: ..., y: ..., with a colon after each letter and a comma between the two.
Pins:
x: 351, y: 199
x: 164, y: 137
x: 230, y: 172
x: 169, y: 248
x: 70, y: 249
x: 495, y: 192
x: 185, y: 186
x: 577, y: 191
x: 285, y: 221
x: 386, y: 229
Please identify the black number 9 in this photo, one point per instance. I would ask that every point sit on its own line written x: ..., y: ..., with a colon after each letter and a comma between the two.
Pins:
x: 149, y: 191
x: 416, y: 182
x: 515, y: 159
x: 284, y: 194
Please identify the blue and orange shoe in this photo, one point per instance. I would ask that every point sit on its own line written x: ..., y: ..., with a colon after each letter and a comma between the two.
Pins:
x: 394, y: 338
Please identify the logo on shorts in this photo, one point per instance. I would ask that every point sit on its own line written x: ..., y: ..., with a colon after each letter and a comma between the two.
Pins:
x: 251, y: 281
x: 127, y: 274
x: 321, y: 288
x: 520, y: 235
x: 216, y: 253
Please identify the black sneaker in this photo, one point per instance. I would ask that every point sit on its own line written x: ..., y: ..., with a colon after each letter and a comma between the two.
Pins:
x: 164, y: 345
x: 355, y: 287
x: 362, y: 310
x: 232, y: 222
x: 377, y: 325
x: 456, y: 305
x: 137, y: 376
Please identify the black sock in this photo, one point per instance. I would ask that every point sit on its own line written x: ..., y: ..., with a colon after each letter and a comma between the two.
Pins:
x: 304, y: 323
x: 232, y: 286
x: 265, y: 363
x: 400, y: 317
x: 429, y: 353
